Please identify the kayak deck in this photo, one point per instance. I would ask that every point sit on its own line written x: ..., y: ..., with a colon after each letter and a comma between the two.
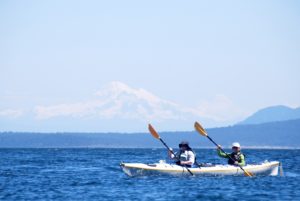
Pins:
x: 135, y: 169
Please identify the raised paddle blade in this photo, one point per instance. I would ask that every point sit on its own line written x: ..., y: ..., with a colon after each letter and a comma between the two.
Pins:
x: 200, y: 129
x: 153, y: 132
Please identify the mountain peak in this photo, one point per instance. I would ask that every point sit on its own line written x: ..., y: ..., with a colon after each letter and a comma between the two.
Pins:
x: 273, y: 113
x: 130, y: 108
x: 117, y: 90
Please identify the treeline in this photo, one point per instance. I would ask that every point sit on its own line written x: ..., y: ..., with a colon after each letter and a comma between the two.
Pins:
x: 275, y: 134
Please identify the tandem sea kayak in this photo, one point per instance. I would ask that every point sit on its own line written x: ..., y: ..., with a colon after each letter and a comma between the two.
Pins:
x: 136, y: 169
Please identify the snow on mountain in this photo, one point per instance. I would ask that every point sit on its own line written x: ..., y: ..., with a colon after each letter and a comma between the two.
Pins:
x: 117, y: 100
x: 116, y: 106
x: 11, y: 113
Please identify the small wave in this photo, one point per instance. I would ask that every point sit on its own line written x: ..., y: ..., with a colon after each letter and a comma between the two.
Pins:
x: 291, y: 174
x: 112, y: 168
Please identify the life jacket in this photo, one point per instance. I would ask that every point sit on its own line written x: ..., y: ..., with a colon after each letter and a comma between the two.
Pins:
x: 235, y: 157
x: 183, y: 156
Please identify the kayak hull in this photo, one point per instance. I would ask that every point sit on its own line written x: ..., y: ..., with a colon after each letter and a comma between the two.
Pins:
x: 137, y: 169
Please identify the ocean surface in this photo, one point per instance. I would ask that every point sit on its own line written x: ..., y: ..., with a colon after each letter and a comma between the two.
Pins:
x: 95, y: 174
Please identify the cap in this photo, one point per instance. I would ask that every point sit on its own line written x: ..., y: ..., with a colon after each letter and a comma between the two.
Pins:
x: 236, y: 144
x: 184, y: 143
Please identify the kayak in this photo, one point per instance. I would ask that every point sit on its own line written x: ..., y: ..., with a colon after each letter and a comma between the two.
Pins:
x: 137, y: 169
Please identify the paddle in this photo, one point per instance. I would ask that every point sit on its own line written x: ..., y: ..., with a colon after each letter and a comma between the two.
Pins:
x: 202, y: 131
x: 155, y: 135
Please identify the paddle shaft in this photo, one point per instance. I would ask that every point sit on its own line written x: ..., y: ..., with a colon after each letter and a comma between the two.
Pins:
x: 174, y: 155
x: 226, y: 154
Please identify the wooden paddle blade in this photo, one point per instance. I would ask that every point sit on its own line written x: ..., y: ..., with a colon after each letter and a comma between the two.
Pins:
x: 200, y: 129
x: 248, y: 174
x: 153, y: 132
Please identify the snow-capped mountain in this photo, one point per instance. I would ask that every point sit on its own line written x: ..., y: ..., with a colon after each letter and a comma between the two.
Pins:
x: 117, y: 100
x: 118, y: 107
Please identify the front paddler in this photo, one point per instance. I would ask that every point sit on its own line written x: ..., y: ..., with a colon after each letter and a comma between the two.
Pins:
x: 237, y: 156
x: 185, y: 156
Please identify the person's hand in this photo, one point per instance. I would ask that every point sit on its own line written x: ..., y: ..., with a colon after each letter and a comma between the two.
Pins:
x: 219, y: 147
x: 236, y: 163
x: 170, y: 153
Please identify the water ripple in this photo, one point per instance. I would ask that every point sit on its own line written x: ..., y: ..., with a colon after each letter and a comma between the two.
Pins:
x: 94, y: 174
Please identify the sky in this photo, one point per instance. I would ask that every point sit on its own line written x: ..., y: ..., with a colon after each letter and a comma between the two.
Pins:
x: 167, y: 62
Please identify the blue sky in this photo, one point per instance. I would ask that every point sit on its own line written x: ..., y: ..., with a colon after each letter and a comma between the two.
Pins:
x: 225, y: 59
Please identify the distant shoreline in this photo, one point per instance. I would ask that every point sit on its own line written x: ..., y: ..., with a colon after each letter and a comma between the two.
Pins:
x: 277, y: 135
x: 131, y: 147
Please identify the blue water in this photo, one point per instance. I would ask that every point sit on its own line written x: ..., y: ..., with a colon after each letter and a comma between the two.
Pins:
x: 94, y: 174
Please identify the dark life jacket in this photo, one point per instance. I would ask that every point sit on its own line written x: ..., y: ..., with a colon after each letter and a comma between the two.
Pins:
x: 235, y: 157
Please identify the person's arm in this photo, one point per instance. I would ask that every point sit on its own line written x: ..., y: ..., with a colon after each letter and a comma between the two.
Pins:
x: 242, y: 163
x: 221, y: 153
x: 171, y: 156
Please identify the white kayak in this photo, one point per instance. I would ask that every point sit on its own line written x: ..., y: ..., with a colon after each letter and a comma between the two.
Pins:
x: 136, y: 169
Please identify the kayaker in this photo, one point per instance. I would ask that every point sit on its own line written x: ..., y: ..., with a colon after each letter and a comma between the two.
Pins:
x: 185, y: 156
x: 237, y: 156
